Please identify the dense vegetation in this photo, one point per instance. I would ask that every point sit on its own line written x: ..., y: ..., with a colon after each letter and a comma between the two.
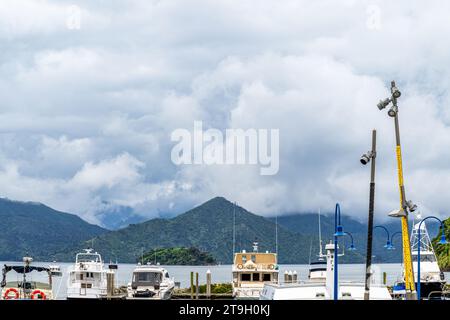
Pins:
x: 37, y: 230
x: 208, y: 227
x: 179, y: 256
x: 443, y: 251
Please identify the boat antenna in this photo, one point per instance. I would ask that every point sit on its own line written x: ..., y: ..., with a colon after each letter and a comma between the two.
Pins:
x: 276, y: 234
x: 310, y: 249
x: 234, y: 228
x: 320, y: 237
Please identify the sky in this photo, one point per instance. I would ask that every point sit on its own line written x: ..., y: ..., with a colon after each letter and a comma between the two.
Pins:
x: 90, y: 92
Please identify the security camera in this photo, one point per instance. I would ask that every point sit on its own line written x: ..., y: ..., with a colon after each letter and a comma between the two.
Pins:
x: 365, y: 158
x: 383, y: 103
x: 411, y: 206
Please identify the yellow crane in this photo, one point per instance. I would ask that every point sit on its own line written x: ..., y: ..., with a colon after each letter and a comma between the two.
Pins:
x: 405, y: 205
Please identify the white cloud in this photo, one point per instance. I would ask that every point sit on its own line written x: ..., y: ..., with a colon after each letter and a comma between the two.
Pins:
x: 87, y: 113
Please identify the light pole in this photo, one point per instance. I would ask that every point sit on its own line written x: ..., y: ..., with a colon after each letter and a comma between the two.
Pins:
x: 352, y: 245
x: 370, y: 155
x: 388, y: 244
x: 338, y: 232
x: 404, y: 205
x: 442, y: 241
x: 392, y: 238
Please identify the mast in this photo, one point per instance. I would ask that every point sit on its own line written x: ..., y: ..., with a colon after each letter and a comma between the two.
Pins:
x: 320, y: 238
x: 276, y: 235
x: 234, y: 230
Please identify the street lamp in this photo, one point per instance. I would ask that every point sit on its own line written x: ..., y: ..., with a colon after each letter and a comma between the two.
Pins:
x: 442, y: 241
x: 388, y: 244
x: 392, y: 239
x: 404, y: 205
x: 365, y: 158
x: 338, y: 232
x: 352, y: 245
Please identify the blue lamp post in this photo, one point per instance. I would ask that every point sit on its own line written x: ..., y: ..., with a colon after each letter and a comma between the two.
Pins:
x: 388, y: 244
x: 352, y: 245
x: 392, y: 239
x: 338, y: 232
x: 442, y: 241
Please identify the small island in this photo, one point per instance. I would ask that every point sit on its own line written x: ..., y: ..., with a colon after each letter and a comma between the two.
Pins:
x: 178, y: 256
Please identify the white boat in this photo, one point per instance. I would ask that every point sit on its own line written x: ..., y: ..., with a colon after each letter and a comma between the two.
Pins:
x: 432, y: 279
x: 55, y: 270
x: 150, y: 282
x: 26, y: 288
x: 88, y: 277
x: 251, y: 271
x: 323, y: 290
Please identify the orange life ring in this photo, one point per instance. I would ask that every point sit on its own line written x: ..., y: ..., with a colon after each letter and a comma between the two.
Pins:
x: 8, y: 297
x: 240, y: 266
x: 271, y: 266
x: 38, y: 294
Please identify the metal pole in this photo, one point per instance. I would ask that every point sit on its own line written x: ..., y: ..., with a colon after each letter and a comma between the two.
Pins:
x: 336, y: 251
x: 196, y: 286
x: 370, y: 218
x: 192, y: 284
x: 208, y: 284
x: 418, y: 266
x: 409, y: 273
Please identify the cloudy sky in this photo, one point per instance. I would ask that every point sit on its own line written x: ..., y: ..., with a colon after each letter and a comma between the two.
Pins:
x: 90, y: 92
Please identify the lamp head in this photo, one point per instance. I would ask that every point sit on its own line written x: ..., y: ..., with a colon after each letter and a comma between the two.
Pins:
x: 443, y: 239
x: 388, y: 245
x: 393, y: 111
x: 397, y: 213
x: 352, y: 247
x: 339, y: 231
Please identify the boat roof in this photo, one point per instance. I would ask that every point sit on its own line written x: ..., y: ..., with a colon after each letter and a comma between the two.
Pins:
x: 24, y: 269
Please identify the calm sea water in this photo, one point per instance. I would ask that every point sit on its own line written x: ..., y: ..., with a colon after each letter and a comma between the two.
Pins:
x: 219, y: 274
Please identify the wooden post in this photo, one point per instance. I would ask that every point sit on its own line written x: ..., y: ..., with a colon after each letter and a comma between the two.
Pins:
x: 208, y: 284
x: 196, y: 286
x: 192, y: 284
x: 110, y: 284
x: 384, y: 277
x: 286, y: 277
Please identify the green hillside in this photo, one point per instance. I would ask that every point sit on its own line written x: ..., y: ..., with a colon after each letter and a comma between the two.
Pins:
x: 35, y: 229
x: 208, y: 227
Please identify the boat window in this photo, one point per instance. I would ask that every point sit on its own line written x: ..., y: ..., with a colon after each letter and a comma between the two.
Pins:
x: 425, y: 258
x: 146, y: 278
x: 244, y: 259
x: 245, y: 277
x: 256, y: 277
x: 167, y: 275
x: 253, y: 258
x: 266, y: 276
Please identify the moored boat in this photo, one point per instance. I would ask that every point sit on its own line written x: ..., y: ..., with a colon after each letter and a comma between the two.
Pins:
x: 26, y: 288
x: 150, y: 282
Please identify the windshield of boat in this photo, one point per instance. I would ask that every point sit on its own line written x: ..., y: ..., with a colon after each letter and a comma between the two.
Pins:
x: 87, y: 257
x: 146, y: 278
x: 425, y: 258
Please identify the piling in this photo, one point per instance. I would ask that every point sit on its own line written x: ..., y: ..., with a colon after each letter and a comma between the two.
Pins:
x: 192, y: 284
x: 384, y: 278
x: 208, y: 284
x: 110, y: 284
x: 286, y: 277
x: 294, y: 276
x: 196, y: 286
x: 290, y: 276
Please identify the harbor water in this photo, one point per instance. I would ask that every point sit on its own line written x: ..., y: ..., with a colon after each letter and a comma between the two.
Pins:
x: 220, y: 274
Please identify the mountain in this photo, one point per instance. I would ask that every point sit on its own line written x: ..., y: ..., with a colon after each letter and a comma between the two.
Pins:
x: 35, y: 229
x: 209, y: 228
